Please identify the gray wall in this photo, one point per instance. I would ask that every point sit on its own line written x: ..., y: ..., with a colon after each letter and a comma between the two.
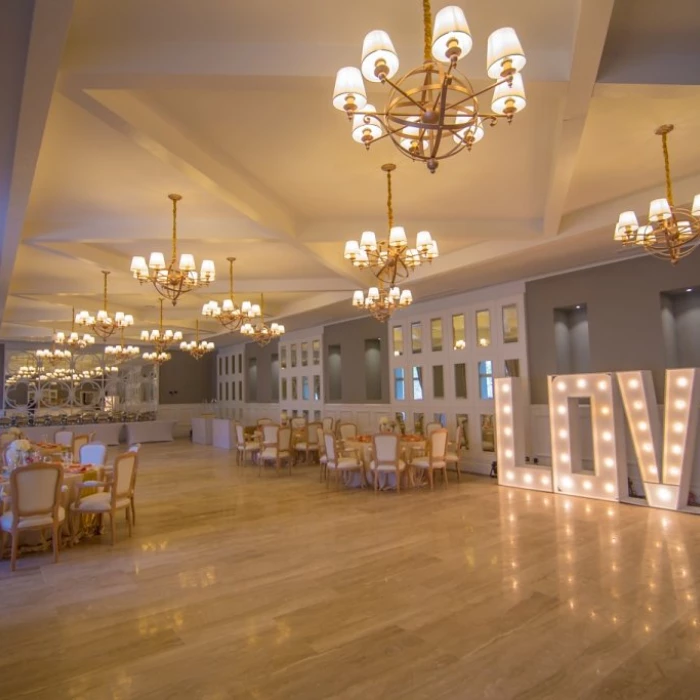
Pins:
x: 623, y: 304
x: 262, y: 392
x: 186, y: 380
x: 351, y: 336
x: 686, y: 314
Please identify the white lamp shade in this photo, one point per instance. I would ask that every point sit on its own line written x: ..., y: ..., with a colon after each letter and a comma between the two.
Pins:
x: 450, y: 25
x: 659, y: 210
x: 255, y: 310
x: 475, y: 128
x: 144, y: 335
x: 138, y: 265
x: 246, y: 307
x: 208, y: 271
x: 433, y: 252
x: 177, y: 335
x: 406, y: 297
x: 372, y: 294
x: 348, y: 83
x: 684, y: 230
x: 228, y: 305
x: 397, y: 237
x: 377, y: 46
x: 423, y: 239
x: 187, y: 262
x: 503, y: 46
x: 364, y: 125
x: 504, y: 93
x: 368, y: 241
x: 156, y: 261
x: 394, y: 294
x: 695, y: 209
x: 358, y: 298
x: 642, y: 233
x: 351, y: 250
x: 628, y: 219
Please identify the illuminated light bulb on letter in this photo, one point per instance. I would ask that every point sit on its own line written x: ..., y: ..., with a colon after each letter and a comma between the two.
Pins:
x: 682, y: 381
x: 677, y: 449
x: 609, y: 462
x: 563, y: 434
x: 587, y: 485
x: 510, y: 476
x: 603, y: 384
x: 507, y: 432
x: 564, y: 457
x: 680, y: 404
x: 567, y: 482
x: 678, y: 427
x: 581, y: 383
x: 665, y: 495
x: 633, y: 384
x: 610, y: 488
x: 509, y: 454
x: 527, y: 478
x: 638, y: 405
x: 607, y: 436
x: 647, y: 447
x: 561, y: 386
x: 642, y: 425
x: 561, y: 410
x: 544, y: 481
x: 605, y: 410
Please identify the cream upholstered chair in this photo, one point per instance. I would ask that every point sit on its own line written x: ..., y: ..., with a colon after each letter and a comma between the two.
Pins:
x: 78, y: 442
x: 453, y: 457
x: 93, y: 453
x: 269, y: 434
x: 347, y: 431
x: 311, y: 443
x: 265, y: 421
x: 35, y: 505
x: 327, y: 425
x: 6, y: 439
x: 63, y: 437
x: 385, y: 458
x: 243, y: 446
x: 322, y: 458
x: 336, y: 463
x: 117, y: 493
x: 437, y: 446
x: 432, y: 426
x: 278, y: 451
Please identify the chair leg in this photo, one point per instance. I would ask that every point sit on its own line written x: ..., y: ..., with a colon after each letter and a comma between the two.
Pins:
x: 447, y: 481
x: 15, y: 545
x: 128, y: 519
x: 459, y: 476
x: 113, y: 525
x: 430, y: 478
x: 55, y: 542
x: 398, y: 481
x: 3, y: 544
x: 133, y: 510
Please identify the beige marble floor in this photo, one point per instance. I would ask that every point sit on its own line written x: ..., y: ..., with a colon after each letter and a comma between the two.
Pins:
x: 236, y: 586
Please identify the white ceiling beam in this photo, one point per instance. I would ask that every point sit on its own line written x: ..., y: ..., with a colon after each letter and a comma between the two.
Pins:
x: 591, y: 31
x: 50, y: 24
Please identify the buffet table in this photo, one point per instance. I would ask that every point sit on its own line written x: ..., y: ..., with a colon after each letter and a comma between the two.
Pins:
x: 202, y: 430
x: 107, y: 433
x: 150, y: 431
x: 222, y: 433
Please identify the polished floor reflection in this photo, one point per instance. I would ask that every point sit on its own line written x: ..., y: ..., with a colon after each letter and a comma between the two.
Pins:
x: 235, y: 586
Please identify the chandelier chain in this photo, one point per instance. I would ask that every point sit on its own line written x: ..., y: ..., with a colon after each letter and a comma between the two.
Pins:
x: 230, y: 277
x: 389, y: 200
x: 104, y: 289
x: 667, y: 168
x: 427, y: 30
x: 174, y: 241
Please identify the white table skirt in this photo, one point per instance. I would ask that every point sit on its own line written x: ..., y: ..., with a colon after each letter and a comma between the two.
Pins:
x: 150, y: 431
x: 202, y: 431
x: 107, y: 433
x: 222, y: 434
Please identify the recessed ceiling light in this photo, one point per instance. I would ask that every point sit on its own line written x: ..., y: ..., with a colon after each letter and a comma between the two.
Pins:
x: 690, y: 289
x: 578, y: 306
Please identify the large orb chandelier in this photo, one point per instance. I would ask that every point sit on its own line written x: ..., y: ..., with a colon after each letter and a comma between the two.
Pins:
x: 102, y: 323
x: 74, y: 340
x: 173, y: 279
x: 122, y: 352
x: 261, y: 333
x: 229, y: 314
x: 382, y: 301
x: 161, y: 339
x: 433, y: 111
x: 197, y: 348
x: 672, y: 232
x: 390, y: 260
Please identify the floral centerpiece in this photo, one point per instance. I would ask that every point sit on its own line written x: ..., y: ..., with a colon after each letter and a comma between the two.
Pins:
x: 18, y: 452
x: 15, y: 432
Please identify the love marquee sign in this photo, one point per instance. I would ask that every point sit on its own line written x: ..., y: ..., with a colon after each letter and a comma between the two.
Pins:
x: 665, y: 463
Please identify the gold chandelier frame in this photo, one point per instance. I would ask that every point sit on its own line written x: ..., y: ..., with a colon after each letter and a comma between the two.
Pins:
x: 261, y: 333
x: 197, y: 348
x: 229, y: 314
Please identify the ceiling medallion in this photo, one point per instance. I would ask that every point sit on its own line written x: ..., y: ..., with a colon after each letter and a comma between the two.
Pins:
x: 197, y: 348
x: 261, y: 333
x: 102, y: 323
x: 432, y: 112
x: 391, y: 260
x: 173, y: 280
x: 229, y: 314
x: 161, y: 340
x: 672, y: 232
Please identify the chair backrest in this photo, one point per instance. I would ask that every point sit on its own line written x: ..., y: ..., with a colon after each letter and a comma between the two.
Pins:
x: 327, y: 423
x: 240, y: 435
x: 124, y: 475
x: 312, y: 433
x: 331, y: 452
x: 298, y: 422
x: 459, y: 438
x: 320, y: 433
x: 431, y: 428
x: 386, y: 448
x: 78, y: 442
x: 284, y: 439
x: 348, y: 431
x: 63, y: 437
x: 36, y: 490
x: 270, y: 434
x: 265, y: 421
x: 135, y: 447
x: 438, y: 444
x: 93, y: 453
x: 6, y: 439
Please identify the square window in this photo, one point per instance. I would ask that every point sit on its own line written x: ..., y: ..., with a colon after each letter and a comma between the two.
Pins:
x: 397, y: 340
x: 438, y: 382
x: 304, y: 354
x: 293, y: 355
x: 512, y: 368
x: 417, y: 383
x: 461, y: 380
x: 416, y: 337
x: 483, y: 328
x: 486, y: 379
x: 510, y: 323
x: 283, y: 357
x: 399, y: 384
x: 316, y: 351
x: 488, y: 442
x: 317, y: 387
x: 305, y: 388
x: 436, y: 334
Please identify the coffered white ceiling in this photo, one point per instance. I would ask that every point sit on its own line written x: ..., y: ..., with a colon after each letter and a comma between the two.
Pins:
x: 112, y: 105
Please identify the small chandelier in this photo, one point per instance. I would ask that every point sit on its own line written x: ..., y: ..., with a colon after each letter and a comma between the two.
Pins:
x: 52, y: 356
x: 103, y: 324
x: 382, y: 301
x: 74, y: 340
x: 197, y: 348
x: 261, y: 333
x: 172, y: 280
x: 122, y: 352
x: 229, y: 314
x: 672, y: 232
x: 433, y: 111
x: 391, y: 260
x: 157, y: 358
x: 161, y: 339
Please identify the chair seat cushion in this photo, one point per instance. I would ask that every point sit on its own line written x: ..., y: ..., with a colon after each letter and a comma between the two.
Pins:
x: 381, y: 467
x: 249, y: 446
x: 323, y: 459
x: 345, y: 463
x: 29, y: 521
x: 271, y: 453
x: 451, y: 457
x: 98, y: 503
x: 424, y: 463
x: 306, y: 446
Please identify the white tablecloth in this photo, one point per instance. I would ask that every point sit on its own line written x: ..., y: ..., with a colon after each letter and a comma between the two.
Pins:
x: 150, y: 431
x: 108, y: 433
x: 222, y: 433
x: 202, y: 430
x: 387, y: 480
